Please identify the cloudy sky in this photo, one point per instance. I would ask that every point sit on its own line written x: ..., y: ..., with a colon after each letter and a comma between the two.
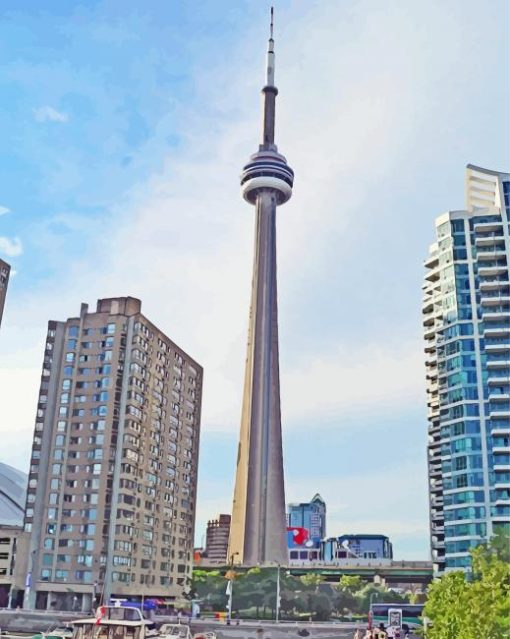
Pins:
x: 123, y: 130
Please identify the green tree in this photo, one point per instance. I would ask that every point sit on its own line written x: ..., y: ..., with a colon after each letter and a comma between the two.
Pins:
x: 475, y: 605
x: 351, y: 583
x: 312, y: 580
x: 321, y: 606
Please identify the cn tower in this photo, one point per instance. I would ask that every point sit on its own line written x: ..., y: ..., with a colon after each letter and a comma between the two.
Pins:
x: 258, y: 528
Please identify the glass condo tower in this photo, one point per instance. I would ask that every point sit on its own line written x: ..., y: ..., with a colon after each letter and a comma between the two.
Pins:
x: 466, y: 323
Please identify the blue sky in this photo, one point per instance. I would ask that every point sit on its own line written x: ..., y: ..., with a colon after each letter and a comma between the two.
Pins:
x: 123, y: 129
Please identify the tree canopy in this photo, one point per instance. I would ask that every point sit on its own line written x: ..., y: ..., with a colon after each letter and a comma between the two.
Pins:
x: 473, y: 605
x: 254, y: 594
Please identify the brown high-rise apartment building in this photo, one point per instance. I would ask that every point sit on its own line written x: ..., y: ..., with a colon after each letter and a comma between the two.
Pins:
x: 112, y: 483
x: 5, y: 269
x: 216, y: 539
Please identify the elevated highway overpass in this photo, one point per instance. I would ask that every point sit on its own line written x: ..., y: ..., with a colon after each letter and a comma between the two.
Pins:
x: 384, y: 571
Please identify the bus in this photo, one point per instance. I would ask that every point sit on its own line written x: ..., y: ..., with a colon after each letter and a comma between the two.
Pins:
x: 411, y: 614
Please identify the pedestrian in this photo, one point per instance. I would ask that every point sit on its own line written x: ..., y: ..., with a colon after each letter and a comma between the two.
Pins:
x: 369, y: 634
x: 381, y: 632
x: 357, y: 634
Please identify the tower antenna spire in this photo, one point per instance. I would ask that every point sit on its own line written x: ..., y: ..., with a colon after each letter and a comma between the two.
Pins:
x: 270, y: 54
x: 270, y: 92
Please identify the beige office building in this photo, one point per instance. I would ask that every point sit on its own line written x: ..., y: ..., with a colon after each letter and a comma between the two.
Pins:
x: 5, y: 269
x: 112, y: 484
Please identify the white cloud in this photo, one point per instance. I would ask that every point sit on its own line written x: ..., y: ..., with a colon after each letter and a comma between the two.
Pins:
x: 186, y: 238
x: 364, y: 93
x: 4, y: 210
x: 18, y: 413
x: 49, y: 114
x: 11, y: 247
x: 359, y: 377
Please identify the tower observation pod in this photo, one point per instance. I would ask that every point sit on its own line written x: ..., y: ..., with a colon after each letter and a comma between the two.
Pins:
x: 258, y: 528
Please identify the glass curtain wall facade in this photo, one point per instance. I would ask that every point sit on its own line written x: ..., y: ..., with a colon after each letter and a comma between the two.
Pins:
x: 466, y: 322
x: 310, y: 515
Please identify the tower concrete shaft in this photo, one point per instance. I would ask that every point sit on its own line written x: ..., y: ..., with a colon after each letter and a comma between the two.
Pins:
x: 258, y: 530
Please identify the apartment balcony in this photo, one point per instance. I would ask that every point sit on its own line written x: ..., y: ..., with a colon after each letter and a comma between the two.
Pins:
x: 491, y: 269
x: 495, y: 298
x: 493, y: 283
x: 499, y: 396
x: 434, y: 432
x: 489, y: 239
x: 502, y: 429
x: 436, y: 485
x: 490, y: 253
x: 432, y: 387
x: 498, y: 377
x: 498, y: 362
x: 434, y: 452
x: 431, y: 261
x: 501, y: 450
x: 427, y: 308
x: 433, y: 413
x: 433, y: 274
x: 497, y: 344
x: 496, y: 314
x: 497, y: 334
x: 430, y: 347
x: 487, y: 227
x: 435, y: 471
x: 434, y: 408
x: 431, y: 374
x: 429, y: 331
x: 500, y: 413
